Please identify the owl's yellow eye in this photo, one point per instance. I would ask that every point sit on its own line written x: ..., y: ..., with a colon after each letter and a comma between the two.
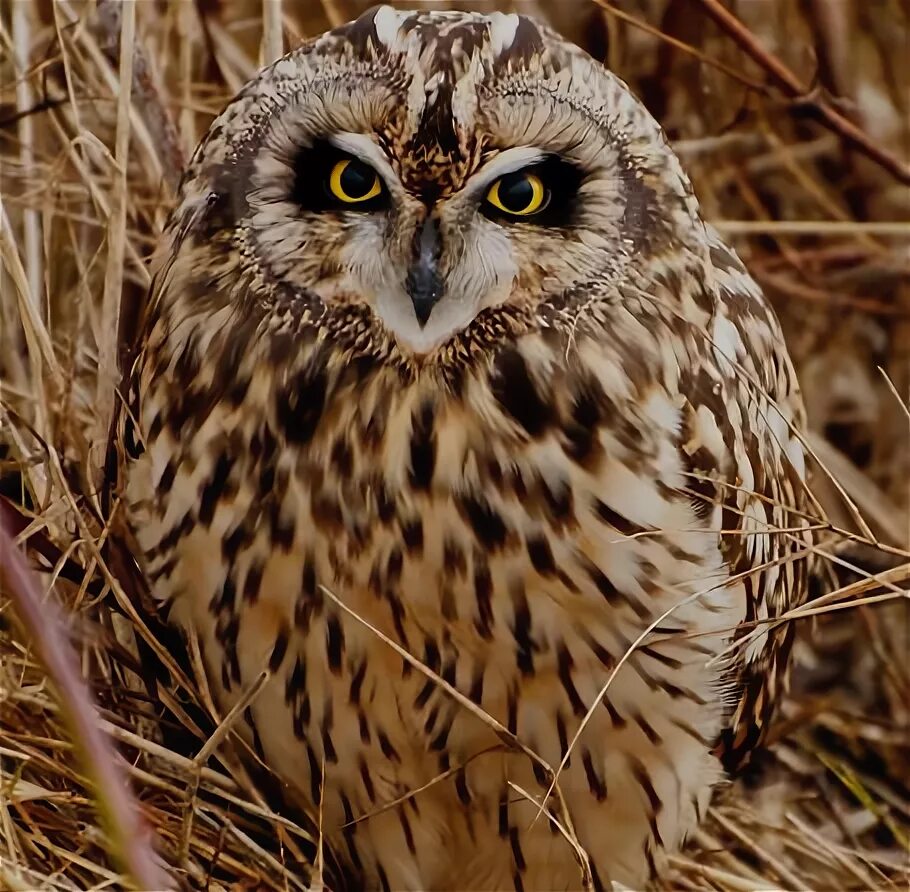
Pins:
x: 352, y: 181
x: 519, y: 194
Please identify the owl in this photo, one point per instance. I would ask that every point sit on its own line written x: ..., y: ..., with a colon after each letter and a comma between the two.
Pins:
x: 470, y: 457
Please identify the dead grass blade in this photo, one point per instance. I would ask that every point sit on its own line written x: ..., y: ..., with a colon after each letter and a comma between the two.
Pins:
x: 119, y: 811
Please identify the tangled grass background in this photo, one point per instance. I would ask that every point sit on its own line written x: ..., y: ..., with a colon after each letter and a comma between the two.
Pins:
x: 793, y: 119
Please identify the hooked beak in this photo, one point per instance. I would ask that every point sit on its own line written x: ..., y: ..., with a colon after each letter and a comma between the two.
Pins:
x: 423, y: 284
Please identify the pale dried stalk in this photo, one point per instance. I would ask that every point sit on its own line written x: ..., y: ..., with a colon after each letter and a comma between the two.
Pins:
x: 108, y: 371
x: 25, y: 98
x: 40, y: 349
x: 186, y: 14
x: 812, y: 227
x: 272, y: 47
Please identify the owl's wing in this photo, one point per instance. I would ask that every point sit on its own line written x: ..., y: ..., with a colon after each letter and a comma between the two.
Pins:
x: 132, y: 334
x: 753, y: 477
x: 156, y: 636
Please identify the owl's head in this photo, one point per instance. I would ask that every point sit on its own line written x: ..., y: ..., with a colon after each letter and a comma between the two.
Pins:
x: 432, y: 170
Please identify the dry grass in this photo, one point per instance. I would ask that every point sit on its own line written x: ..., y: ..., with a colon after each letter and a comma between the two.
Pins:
x: 796, y: 130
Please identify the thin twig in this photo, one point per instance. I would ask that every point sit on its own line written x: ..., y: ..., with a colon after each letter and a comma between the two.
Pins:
x: 687, y: 48
x: 432, y: 782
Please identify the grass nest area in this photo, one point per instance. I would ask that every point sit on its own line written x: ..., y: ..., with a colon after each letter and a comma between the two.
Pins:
x: 793, y: 120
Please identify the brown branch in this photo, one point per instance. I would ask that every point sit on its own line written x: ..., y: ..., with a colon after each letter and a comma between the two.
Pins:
x: 147, y: 98
x: 791, y: 85
x: 680, y: 45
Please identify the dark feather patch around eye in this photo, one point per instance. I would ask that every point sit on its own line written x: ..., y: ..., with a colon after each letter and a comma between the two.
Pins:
x: 313, y: 167
x: 561, y: 179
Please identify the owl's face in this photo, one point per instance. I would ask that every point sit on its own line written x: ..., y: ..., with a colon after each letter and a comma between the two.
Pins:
x: 435, y: 167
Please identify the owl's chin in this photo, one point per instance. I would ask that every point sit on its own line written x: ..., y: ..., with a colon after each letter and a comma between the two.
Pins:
x: 448, y: 318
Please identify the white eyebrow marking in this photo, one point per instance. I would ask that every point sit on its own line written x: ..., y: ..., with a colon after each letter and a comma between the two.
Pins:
x: 502, y: 31
x: 506, y: 162
x: 362, y: 147
x: 387, y: 23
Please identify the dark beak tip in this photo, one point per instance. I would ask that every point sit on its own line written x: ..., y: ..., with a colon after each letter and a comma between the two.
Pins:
x: 423, y: 304
x: 423, y: 284
x: 425, y: 291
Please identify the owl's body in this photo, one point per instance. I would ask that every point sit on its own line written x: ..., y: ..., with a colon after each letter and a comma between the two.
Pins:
x: 569, y: 458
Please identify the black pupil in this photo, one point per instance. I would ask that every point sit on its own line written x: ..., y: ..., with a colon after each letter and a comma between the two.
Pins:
x: 357, y: 179
x: 515, y: 192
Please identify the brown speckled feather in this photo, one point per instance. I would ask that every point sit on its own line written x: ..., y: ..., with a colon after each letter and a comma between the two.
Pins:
x: 587, y: 444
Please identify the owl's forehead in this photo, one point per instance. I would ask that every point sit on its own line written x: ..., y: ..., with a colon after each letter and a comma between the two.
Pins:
x: 439, y: 62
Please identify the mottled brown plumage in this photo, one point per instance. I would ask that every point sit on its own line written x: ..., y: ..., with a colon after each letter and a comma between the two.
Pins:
x: 519, y: 446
